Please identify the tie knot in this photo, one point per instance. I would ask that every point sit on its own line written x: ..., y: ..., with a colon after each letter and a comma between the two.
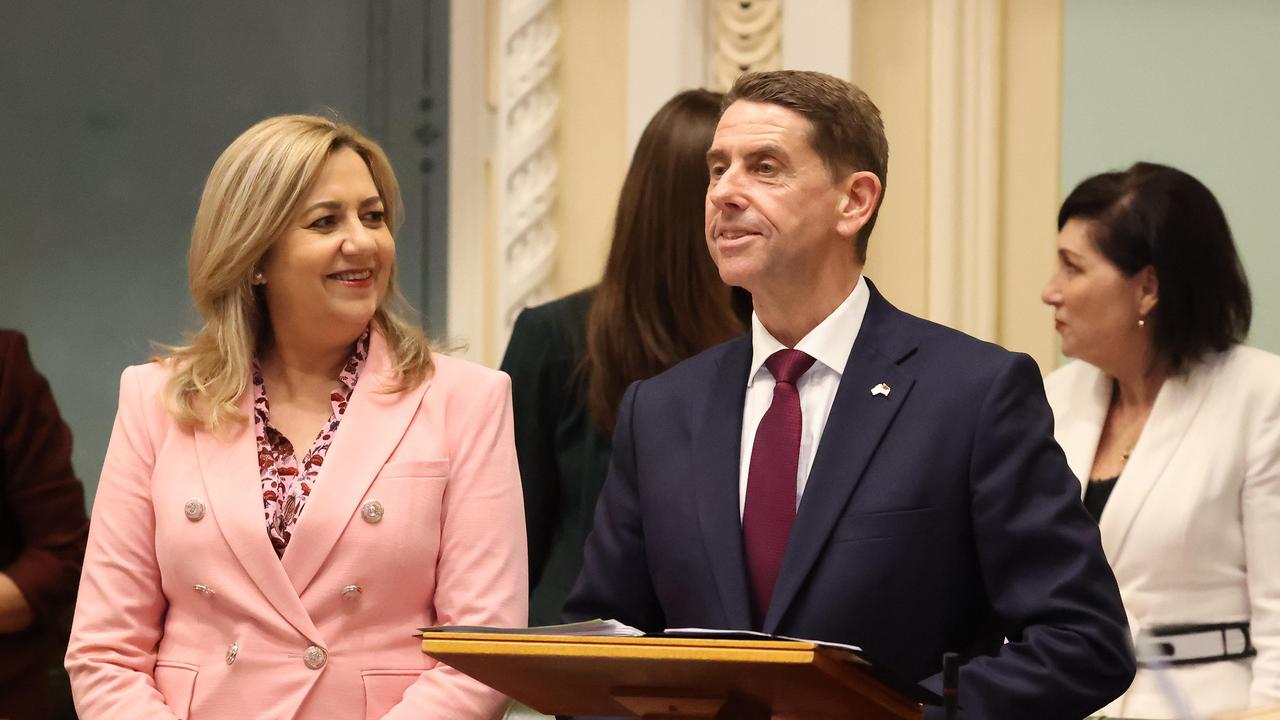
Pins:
x: 787, y: 366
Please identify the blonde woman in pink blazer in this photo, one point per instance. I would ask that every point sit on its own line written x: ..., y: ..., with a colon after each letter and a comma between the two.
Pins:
x: 286, y: 498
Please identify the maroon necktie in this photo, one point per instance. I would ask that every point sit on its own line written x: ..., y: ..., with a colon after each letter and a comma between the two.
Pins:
x: 770, y: 508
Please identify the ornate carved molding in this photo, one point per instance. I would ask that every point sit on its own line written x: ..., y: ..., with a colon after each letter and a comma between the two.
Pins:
x: 748, y: 36
x: 526, y: 169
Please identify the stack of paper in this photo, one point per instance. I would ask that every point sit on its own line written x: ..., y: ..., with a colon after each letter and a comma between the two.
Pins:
x: 595, y: 628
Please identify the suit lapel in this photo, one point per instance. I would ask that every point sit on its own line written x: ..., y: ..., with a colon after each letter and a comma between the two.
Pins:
x: 857, y: 421
x: 1175, y: 408
x: 229, y: 469
x: 371, y: 429
x: 717, y: 457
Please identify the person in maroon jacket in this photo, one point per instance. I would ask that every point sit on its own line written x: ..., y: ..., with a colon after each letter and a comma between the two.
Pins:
x: 43, y: 528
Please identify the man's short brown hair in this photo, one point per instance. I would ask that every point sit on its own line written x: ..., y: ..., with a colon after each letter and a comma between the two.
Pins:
x: 848, y: 133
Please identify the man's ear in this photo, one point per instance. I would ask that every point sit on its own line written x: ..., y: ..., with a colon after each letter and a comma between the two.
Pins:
x: 859, y: 197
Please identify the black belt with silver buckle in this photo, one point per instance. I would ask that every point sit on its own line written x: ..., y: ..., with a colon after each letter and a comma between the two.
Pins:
x: 1178, y: 645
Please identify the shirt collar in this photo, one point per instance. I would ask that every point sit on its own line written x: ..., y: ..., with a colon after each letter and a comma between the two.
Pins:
x: 351, y: 371
x: 828, y: 343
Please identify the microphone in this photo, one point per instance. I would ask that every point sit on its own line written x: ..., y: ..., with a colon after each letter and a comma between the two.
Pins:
x: 951, y: 685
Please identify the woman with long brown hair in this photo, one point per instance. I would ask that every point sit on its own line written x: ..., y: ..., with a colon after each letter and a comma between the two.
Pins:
x: 660, y: 301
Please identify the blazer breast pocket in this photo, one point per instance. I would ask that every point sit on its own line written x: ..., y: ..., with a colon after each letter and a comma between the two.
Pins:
x: 401, y: 513
x: 415, y: 468
x: 884, y: 525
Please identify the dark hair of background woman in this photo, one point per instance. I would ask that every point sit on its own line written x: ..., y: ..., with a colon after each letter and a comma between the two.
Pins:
x: 661, y: 299
x: 1156, y: 215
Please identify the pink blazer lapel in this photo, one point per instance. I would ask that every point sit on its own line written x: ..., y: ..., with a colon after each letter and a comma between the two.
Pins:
x: 371, y: 429
x: 229, y: 466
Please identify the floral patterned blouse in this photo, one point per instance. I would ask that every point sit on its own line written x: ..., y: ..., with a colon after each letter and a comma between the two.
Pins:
x: 286, y: 482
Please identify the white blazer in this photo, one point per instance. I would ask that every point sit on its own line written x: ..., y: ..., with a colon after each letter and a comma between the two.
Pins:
x: 1192, y: 528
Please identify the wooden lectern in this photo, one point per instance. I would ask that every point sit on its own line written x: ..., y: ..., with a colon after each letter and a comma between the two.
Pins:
x: 668, y: 678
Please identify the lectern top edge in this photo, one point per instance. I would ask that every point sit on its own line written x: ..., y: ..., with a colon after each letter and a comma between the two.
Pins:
x: 664, y: 641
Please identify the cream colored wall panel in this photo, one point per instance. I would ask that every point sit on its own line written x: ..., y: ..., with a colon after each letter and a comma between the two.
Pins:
x: 891, y: 62
x: 592, y: 136
x: 1030, y: 168
x: 969, y: 90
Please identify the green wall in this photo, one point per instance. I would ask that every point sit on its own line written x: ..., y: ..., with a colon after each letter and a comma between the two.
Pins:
x: 1191, y: 84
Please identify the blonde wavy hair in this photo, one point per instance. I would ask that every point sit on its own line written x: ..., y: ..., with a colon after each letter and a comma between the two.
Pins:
x: 250, y: 196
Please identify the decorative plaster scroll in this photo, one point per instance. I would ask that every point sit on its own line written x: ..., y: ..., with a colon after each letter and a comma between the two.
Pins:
x: 526, y: 169
x: 748, y: 36
x: 964, y: 160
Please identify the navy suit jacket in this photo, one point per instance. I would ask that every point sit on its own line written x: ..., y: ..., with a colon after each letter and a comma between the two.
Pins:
x: 941, y: 517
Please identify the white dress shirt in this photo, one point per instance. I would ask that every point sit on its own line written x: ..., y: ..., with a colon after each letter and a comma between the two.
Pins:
x: 829, y: 344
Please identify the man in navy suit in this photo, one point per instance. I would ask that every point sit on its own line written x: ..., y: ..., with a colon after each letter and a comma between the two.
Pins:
x: 849, y: 472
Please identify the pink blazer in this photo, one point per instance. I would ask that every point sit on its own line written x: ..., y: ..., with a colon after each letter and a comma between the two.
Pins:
x: 186, y: 612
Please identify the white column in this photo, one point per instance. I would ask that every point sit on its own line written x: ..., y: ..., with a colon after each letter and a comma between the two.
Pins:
x: 470, y: 141
x: 818, y: 35
x: 666, y: 53
x: 964, y: 165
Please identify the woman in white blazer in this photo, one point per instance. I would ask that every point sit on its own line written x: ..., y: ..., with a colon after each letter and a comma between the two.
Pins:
x: 1173, y: 427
